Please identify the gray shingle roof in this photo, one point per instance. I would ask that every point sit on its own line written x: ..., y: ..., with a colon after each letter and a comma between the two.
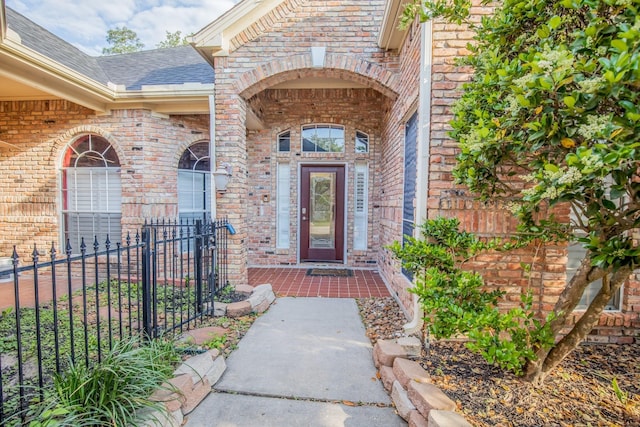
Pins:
x: 42, y: 41
x: 176, y: 65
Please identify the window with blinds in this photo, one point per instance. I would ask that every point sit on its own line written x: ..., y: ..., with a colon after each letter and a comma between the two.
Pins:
x: 410, y: 177
x: 360, y: 220
x: 91, y: 193
x: 194, y: 183
x: 283, y: 206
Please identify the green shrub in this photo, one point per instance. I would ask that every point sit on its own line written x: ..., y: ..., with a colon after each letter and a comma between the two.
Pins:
x: 454, y: 301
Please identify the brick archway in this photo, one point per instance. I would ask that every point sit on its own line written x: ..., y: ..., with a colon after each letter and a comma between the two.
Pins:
x: 343, y: 67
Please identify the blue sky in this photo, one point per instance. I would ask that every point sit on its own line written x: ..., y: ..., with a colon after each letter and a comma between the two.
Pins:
x: 85, y: 23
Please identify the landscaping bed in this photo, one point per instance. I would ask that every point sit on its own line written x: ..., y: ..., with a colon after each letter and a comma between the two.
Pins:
x: 580, y: 392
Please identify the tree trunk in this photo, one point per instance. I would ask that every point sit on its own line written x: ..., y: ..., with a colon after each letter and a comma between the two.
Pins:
x: 548, y: 359
x: 565, y: 305
x: 570, y: 296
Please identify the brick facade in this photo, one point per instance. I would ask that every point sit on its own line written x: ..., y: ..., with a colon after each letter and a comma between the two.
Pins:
x: 148, y: 148
x: 359, y: 86
x: 355, y: 109
x: 277, y: 49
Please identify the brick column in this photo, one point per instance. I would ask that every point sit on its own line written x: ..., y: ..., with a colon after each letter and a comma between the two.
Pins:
x: 231, y: 147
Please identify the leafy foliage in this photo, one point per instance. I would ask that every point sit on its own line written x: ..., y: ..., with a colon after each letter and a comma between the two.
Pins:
x: 122, y: 40
x: 554, y: 106
x: 551, y: 119
x: 173, y: 40
x: 454, y: 301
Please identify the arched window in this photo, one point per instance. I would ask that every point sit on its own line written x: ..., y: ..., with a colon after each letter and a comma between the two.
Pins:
x: 194, y: 183
x: 91, y: 192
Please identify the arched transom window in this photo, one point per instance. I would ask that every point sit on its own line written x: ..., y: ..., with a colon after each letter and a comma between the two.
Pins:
x: 91, y: 192
x: 194, y: 183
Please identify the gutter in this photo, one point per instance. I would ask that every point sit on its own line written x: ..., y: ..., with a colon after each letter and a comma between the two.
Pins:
x: 424, y: 139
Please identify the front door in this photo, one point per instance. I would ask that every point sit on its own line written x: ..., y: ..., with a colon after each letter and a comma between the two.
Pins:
x: 322, y: 213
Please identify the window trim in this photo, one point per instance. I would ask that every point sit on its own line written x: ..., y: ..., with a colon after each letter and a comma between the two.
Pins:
x: 282, y: 135
x: 613, y: 306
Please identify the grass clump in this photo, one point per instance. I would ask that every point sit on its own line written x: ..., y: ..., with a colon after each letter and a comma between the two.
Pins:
x: 112, y: 392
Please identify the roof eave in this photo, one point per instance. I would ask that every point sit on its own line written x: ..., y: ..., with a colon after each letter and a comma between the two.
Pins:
x: 188, y: 98
x: 31, y: 68
x: 390, y: 37
x: 213, y: 40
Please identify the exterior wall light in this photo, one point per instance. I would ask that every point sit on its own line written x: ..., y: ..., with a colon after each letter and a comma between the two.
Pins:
x: 221, y: 176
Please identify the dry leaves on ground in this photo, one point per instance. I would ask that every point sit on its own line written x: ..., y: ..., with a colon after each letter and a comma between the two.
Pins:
x: 580, y: 393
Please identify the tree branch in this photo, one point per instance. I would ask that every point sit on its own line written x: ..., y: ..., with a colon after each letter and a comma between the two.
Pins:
x: 588, y: 320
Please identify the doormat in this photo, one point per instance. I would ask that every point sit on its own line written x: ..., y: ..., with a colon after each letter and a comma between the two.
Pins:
x: 333, y: 272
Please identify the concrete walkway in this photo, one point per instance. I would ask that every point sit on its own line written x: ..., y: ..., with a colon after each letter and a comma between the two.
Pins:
x: 305, y: 362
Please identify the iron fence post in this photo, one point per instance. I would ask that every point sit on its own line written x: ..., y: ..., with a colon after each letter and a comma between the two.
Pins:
x: 147, y: 327
x: 198, y: 264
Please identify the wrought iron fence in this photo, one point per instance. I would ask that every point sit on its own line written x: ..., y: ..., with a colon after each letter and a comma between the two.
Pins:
x: 72, y: 307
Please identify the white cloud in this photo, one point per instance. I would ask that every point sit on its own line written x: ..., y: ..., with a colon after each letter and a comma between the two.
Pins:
x: 85, y: 24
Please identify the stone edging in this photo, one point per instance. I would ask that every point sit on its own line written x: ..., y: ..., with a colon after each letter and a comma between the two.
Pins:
x: 195, y: 377
x: 416, y: 399
x: 259, y: 299
x: 191, y: 383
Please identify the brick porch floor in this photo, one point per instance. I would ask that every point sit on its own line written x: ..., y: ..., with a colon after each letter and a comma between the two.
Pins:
x: 292, y: 281
x: 286, y: 281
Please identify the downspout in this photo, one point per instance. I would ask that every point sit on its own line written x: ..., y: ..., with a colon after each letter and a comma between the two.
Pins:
x: 424, y: 143
x: 212, y: 153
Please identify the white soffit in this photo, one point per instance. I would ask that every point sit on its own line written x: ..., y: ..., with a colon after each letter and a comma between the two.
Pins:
x: 391, y: 37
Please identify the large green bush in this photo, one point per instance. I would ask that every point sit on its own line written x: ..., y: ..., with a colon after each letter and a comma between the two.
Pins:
x: 551, y: 119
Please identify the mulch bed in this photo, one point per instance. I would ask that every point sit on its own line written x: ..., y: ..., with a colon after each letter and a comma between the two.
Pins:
x: 578, y: 393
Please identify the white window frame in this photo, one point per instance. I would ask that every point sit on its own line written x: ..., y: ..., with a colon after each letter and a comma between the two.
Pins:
x: 283, y: 206
x: 575, y: 254
x: 361, y: 136
x: 361, y: 206
x: 91, y: 196
x: 198, y: 203
x: 282, y: 135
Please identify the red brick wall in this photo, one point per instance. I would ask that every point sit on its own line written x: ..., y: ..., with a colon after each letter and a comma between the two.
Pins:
x: 355, y: 109
x: 547, y: 278
x: 278, y: 49
x: 148, y: 148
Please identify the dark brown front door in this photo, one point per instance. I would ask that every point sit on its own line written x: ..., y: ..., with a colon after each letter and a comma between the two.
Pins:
x: 322, y: 213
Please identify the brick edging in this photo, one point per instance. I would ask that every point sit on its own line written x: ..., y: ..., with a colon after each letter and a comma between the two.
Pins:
x: 416, y: 399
